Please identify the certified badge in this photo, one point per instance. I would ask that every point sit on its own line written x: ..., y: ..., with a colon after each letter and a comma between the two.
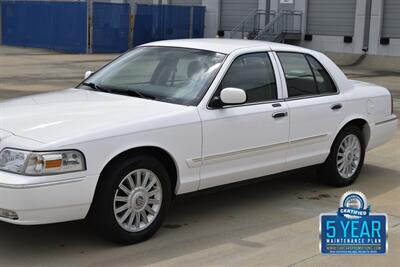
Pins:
x: 353, y: 229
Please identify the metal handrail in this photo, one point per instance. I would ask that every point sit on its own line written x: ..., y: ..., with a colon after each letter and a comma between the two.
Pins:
x: 279, y: 24
x: 269, y: 26
x: 237, y: 27
x: 255, y: 15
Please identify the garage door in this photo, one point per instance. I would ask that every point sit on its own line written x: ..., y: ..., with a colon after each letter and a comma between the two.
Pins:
x: 327, y: 17
x: 186, y: 2
x: 391, y: 19
x: 234, y: 11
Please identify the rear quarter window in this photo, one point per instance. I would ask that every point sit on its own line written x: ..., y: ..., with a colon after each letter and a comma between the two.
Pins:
x: 323, y: 79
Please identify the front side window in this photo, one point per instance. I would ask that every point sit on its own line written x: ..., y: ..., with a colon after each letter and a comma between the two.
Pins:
x: 254, y: 74
x: 168, y: 74
x: 304, y: 75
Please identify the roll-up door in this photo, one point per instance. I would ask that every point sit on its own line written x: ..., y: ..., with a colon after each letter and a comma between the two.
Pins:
x: 186, y: 2
x: 328, y: 17
x: 234, y: 11
x: 391, y: 19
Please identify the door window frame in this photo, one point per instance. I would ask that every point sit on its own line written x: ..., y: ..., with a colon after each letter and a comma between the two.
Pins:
x: 275, y: 69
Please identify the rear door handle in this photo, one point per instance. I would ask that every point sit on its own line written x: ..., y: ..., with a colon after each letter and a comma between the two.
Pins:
x: 278, y: 115
x: 336, y: 107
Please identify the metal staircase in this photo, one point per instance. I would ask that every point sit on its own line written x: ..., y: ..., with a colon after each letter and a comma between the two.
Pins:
x: 252, y: 23
x: 264, y: 25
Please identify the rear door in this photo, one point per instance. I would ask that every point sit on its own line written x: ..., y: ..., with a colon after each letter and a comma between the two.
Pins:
x: 315, y: 108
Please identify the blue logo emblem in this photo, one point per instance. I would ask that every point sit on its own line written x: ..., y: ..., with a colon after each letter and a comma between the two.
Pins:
x: 353, y: 229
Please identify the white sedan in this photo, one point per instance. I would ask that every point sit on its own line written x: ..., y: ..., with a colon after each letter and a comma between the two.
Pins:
x: 173, y: 117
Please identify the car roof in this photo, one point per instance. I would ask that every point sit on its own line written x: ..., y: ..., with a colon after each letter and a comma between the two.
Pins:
x: 225, y: 46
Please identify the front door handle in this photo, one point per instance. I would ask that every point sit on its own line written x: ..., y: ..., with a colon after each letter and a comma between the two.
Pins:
x: 276, y: 105
x: 336, y: 107
x: 278, y: 115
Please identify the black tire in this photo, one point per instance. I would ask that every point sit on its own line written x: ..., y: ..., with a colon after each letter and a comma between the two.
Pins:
x: 102, y: 213
x: 329, y: 172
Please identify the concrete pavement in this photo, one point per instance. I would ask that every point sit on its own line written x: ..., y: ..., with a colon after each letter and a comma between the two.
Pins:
x: 24, y: 71
x: 269, y: 222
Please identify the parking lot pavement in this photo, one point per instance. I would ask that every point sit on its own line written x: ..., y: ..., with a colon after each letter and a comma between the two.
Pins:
x: 26, y: 71
x: 268, y: 222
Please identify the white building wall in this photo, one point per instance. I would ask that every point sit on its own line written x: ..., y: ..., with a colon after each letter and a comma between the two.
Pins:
x: 376, y: 26
x: 211, y: 18
x: 302, y: 6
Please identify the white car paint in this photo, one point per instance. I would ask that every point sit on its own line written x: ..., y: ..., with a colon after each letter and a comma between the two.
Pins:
x: 209, y: 147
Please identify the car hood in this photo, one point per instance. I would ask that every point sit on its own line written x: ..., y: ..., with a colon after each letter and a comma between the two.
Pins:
x: 74, y: 112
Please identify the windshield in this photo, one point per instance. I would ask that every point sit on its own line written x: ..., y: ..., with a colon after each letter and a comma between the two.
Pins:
x: 169, y: 74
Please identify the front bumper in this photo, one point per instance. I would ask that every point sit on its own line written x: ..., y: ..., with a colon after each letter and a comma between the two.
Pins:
x: 46, y: 199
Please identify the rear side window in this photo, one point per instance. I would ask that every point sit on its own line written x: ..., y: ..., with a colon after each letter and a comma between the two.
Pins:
x: 304, y: 75
x: 299, y: 76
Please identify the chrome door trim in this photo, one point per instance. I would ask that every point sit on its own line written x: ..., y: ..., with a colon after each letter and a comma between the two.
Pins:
x: 308, y: 139
x: 248, y: 152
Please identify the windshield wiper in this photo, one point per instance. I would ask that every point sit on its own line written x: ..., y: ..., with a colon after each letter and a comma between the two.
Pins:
x: 95, y: 87
x: 129, y: 92
x: 132, y: 92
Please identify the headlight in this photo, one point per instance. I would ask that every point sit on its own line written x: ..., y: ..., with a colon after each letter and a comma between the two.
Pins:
x: 41, y: 163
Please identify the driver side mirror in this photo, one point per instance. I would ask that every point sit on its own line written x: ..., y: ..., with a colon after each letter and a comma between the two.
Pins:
x: 88, y: 74
x: 229, y: 96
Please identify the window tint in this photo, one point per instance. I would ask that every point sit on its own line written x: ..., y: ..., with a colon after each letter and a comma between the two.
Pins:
x: 324, y: 81
x: 298, y: 74
x: 254, y: 74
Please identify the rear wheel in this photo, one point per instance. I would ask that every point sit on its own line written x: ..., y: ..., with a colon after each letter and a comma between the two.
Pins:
x: 132, y: 200
x: 346, y: 158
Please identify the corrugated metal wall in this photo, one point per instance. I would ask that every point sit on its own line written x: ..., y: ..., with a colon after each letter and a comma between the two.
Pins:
x: 186, y: 2
x: 391, y: 19
x: 328, y: 17
x: 234, y: 11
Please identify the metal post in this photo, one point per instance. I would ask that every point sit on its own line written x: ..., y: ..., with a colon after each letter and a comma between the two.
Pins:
x: 254, y: 22
x: 132, y: 7
x: 301, y: 22
x: 1, y: 21
x: 367, y: 25
x: 89, y: 48
x: 191, y: 22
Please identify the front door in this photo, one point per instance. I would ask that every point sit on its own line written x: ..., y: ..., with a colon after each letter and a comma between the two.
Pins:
x: 248, y: 140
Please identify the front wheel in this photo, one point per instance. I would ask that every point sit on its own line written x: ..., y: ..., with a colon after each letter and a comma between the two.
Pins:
x: 346, y: 158
x: 132, y: 200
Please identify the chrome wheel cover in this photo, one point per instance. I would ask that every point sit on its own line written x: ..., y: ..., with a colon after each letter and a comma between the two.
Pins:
x: 348, y: 157
x: 137, y: 200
